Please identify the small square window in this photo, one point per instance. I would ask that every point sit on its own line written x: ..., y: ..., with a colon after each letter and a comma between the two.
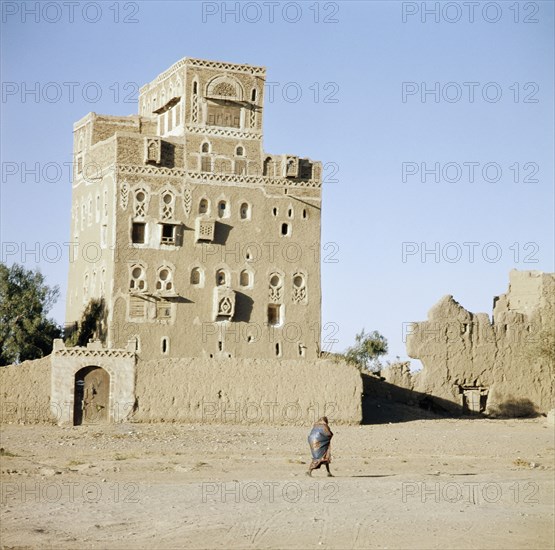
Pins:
x: 138, y: 233
x: 168, y: 234
x: 163, y: 310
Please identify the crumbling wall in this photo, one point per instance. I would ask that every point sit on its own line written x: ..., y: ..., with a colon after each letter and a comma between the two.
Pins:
x: 501, y: 360
x: 260, y: 391
x: 25, y: 392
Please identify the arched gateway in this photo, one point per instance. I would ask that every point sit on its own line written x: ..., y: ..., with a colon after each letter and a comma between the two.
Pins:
x: 92, y: 385
x: 91, y: 402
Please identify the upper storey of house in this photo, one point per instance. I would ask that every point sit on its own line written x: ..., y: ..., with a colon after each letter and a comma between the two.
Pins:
x: 213, y: 95
x: 199, y: 119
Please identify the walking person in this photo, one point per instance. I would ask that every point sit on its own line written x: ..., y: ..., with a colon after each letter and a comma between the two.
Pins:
x: 319, y: 440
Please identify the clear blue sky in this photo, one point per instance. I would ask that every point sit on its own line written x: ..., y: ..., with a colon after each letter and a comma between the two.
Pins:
x: 360, y: 57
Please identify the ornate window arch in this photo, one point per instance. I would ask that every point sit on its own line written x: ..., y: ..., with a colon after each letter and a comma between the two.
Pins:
x: 225, y: 87
x: 137, y: 278
x: 299, y: 294
x: 167, y: 204
x: 164, y: 279
x: 275, y: 287
x: 140, y: 202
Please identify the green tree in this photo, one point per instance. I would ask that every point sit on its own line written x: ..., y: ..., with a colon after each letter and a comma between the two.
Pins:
x: 25, y: 299
x: 366, y: 351
x: 92, y: 324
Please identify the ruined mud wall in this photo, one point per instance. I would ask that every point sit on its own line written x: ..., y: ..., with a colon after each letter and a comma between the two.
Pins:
x: 503, y: 358
x: 25, y: 392
x: 247, y: 391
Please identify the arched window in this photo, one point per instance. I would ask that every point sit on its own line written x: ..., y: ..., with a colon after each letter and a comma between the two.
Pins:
x: 285, y: 230
x: 221, y: 277
x: 205, y: 160
x: 299, y: 294
x: 275, y: 288
x: 195, y: 87
x: 222, y: 209
x: 239, y: 151
x: 138, y: 278
x: 245, y: 211
x: 196, y: 276
x: 275, y: 280
x: 266, y: 167
x: 298, y: 280
x: 203, y: 206
x: 245, y: 278
x: 290, y: 212
x: 166, y: 205
x: 140, y: 203
x: 305, y: 214
x: 164, y: 280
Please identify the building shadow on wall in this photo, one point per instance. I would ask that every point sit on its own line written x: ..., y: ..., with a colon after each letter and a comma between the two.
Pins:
x: 243, y: 307
x: 167, y: 155
x: 384, y: 403
x: 222, y: 232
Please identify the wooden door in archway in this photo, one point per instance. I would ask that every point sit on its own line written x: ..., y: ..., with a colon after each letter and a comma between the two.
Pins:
x: 91, y: 397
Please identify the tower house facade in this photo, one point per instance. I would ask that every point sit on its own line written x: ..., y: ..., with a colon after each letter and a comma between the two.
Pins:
x: 199, y: 242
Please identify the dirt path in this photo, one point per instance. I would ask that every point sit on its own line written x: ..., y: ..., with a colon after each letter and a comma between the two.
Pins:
x: 424, y: 484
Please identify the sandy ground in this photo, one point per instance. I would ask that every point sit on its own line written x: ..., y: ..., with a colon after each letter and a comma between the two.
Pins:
x: 421, y: 484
